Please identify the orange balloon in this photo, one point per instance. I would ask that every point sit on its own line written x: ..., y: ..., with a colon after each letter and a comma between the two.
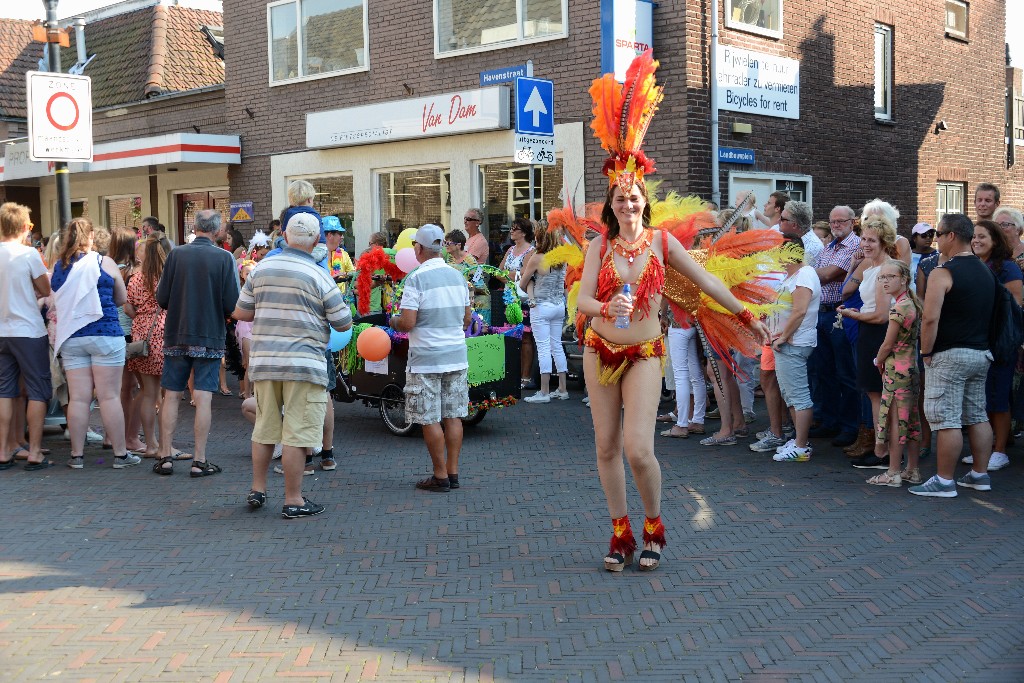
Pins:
x: 373, y: 344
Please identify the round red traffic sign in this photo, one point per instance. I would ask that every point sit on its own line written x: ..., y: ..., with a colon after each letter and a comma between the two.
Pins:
x: 63, y: 113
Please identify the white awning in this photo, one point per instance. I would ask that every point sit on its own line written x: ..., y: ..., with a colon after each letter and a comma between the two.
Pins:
x: 175, y: 148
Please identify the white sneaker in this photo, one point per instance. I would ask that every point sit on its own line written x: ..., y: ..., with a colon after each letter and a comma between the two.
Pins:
x: 560, y: 395
x: 278, y: 451
x: 998, y: 461
x: 586, y: 400
x: 786, y: 446
x: 90, y: 436
x: 538, y: 398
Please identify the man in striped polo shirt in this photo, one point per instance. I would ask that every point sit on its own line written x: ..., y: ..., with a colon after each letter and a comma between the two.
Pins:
x: 291, y: 301
x: 435, y: 311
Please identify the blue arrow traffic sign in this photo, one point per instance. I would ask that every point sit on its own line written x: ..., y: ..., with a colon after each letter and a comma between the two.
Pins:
x: 535, y: 106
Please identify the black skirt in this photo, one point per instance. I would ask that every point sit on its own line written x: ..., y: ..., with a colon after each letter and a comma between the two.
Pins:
x: 869, y: 339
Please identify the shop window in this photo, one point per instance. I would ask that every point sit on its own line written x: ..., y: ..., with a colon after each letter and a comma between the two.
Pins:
x: 188, y: 204
x: 123, y: 211
x: 334, y: 197
x: 798, y: 187
x: 411, y: 198
x: 949, y: 199
x: 504, y: 190
x: 763, y: 17
x: 474, y: 25
x: 883, y: 72
x: 956, y: 19
x: 316, y: 38
x: 80, y: 208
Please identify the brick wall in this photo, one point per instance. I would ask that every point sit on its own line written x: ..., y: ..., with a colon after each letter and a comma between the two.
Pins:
x: 851, y: 157
x: 162, y: 115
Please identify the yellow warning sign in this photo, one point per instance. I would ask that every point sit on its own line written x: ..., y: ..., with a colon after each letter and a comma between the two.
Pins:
x: 241, y: 215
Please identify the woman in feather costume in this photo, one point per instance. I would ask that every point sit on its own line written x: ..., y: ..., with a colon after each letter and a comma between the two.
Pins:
x: 623, y: 366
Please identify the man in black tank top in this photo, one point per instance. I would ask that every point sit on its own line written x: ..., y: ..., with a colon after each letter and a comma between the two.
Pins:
x: 954, y: 345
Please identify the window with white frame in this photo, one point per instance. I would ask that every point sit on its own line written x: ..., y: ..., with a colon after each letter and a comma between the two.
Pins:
x: 949, y: 199
x: 316, y: 38
x: 474, y: 25
x: 956, y: 18
x: 755, y: 16
x: 883, y: 72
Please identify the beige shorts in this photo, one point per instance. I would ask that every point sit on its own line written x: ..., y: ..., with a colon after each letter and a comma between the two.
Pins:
x: 305, y: 407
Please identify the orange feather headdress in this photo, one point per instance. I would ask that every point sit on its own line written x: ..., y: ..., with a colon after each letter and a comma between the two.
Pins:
x: 622, y: 114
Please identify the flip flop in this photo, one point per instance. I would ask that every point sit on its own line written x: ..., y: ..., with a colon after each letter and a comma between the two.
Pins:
x: 226, y: 392
x: 24, y: 448
x: 45, y: 463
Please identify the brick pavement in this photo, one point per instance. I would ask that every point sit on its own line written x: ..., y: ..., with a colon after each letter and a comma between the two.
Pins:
x: 775, y: 572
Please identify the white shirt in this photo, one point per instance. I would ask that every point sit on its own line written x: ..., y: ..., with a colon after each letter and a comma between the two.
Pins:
x: 19, y: 314
x: 812, y: 247
x: 807, y: 333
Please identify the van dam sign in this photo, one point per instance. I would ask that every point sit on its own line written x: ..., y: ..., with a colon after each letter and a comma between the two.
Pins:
x: 757, y: 83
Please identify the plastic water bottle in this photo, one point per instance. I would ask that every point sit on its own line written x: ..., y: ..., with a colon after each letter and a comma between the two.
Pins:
x: 622, y: 321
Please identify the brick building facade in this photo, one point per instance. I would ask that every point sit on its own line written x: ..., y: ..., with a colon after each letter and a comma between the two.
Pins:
x: 837, y: 151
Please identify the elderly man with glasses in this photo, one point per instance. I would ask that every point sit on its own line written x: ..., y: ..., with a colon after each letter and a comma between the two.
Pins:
x: 832, y: 373
x: 476, y: 244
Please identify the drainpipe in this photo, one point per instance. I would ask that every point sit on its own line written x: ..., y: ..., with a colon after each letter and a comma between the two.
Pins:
x: 716, y: 190
x: 79, y: 23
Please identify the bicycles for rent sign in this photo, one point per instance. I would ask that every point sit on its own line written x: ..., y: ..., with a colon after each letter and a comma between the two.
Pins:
x: 59, y: 117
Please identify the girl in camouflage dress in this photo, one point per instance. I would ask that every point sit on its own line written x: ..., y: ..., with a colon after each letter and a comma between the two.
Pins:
x: 899, y: 422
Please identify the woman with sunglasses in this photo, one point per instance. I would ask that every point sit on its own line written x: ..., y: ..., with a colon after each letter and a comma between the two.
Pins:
x: 521, y: 234
x: 455, y: 245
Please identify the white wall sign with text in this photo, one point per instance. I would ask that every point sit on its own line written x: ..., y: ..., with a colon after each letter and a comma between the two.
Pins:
x: 758, y: 83
x: 468, y: 111
x: 59, y: 116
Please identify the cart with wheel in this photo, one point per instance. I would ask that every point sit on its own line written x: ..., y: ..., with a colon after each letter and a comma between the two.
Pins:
x: 494, y: 368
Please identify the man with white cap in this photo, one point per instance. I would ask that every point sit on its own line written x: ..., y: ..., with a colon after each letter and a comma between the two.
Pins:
x: 291, y: 301
x: 435, y: 311
x: 921, y: 237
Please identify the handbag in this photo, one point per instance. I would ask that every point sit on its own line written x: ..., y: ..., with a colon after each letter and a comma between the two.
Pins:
x: 140, y: 349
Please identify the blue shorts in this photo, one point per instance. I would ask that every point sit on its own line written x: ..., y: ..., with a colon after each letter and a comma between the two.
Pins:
x: 178, y: 368
x: 29, y: 359
x: 84, y: 352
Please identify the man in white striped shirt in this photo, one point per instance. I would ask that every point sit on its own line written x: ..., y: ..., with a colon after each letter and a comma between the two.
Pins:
x: 291, y: 301
x: 435, y: 311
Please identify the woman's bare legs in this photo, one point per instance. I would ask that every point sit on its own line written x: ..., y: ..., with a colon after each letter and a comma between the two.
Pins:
x: 147, y: 411
x: 632, y: 425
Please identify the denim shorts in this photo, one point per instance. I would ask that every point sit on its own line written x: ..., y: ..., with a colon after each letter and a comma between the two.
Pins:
x: 85, y: 352
x: 178, y: 368
x: 791, y: 372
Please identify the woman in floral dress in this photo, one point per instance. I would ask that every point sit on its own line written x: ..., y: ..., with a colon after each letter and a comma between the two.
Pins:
x: 148, y: 323
x: 899, y: 422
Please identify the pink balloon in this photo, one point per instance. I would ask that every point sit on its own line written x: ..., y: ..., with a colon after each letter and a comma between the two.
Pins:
x: 405, y: 259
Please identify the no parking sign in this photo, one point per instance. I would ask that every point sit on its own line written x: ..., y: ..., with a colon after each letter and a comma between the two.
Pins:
x: 59, y: 117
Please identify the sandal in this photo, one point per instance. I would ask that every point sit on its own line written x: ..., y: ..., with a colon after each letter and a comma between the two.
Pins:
x: 667, y: 417
x: 649, y: 555
x: 256, y: 499
x: 886, y: 479
x: 181, y: 455
x: 674, y: 434
x: 6, y: 464
x: 159, y: 468
x: 695, y: 428
x: 616, y: 562
x: 206, y: 469
x: 43, y: 464
x: 226, y: 392
x: 911, y: 476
